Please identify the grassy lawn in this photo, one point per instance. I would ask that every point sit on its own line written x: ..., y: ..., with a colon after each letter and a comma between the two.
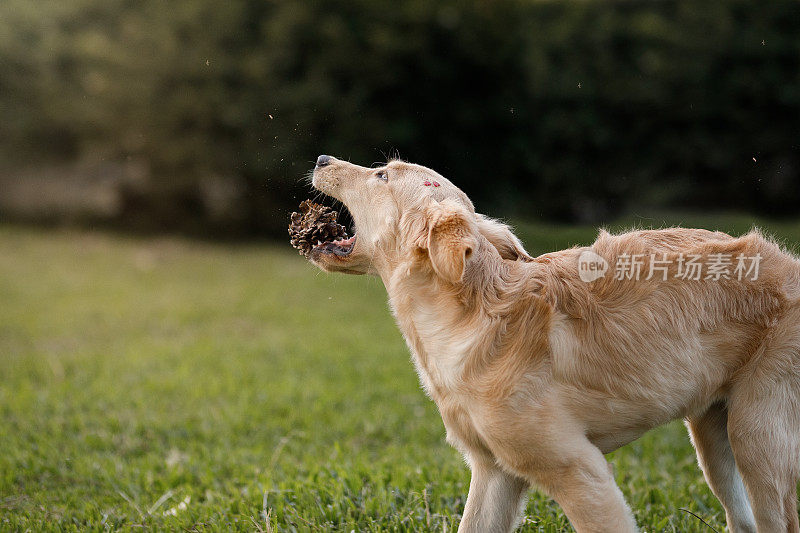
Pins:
x: 171, y: 384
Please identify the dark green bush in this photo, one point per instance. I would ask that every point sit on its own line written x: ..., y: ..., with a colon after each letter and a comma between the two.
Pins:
x: 571, y: 110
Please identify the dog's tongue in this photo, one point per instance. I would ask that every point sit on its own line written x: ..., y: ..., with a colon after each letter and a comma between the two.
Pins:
x: 345, y: 242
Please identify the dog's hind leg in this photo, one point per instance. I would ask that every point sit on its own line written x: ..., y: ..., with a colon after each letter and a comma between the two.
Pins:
x: 709, y: 433
x: 763, y: 437
x: 764, y: 429
x: 495, y: 499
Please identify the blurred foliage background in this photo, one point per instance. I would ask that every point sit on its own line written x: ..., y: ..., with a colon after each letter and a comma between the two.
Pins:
x: 204, y: 116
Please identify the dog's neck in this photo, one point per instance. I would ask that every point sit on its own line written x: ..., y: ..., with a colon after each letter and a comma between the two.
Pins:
x: 454, y: 329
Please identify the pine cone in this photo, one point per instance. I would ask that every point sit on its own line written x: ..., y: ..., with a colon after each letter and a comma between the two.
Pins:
x: 314, y: 223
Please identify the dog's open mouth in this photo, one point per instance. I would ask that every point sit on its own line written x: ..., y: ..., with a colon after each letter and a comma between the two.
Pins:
x: 314, y: 230
x: 341, y: 247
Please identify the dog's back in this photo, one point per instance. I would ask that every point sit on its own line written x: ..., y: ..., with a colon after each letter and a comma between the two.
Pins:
x: 697, y: 276
x: 678, y: 315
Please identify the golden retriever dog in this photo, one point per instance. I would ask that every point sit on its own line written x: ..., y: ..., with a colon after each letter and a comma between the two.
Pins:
x: 539, y: 366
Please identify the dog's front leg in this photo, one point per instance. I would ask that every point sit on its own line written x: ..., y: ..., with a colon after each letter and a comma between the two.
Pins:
x: 576, y: 475
x: 495, y: 499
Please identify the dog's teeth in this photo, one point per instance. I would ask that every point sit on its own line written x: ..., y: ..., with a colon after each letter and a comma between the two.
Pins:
x: 319, y: 243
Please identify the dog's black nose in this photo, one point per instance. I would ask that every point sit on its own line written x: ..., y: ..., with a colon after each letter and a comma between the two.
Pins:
x: 323, y: 160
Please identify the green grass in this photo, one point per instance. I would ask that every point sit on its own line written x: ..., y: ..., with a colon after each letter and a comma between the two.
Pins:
x: 137, y: 374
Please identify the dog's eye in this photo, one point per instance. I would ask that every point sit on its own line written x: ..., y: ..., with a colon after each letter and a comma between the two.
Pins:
x: 382, y: 175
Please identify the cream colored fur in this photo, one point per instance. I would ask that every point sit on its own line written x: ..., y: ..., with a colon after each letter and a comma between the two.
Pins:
x: 537, y: 374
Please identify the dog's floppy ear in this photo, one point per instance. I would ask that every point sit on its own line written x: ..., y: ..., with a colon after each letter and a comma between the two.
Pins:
x: 450, y: 239
x: 502, y: 238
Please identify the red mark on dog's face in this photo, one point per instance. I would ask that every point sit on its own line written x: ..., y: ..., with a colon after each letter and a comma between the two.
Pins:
x: 435, y: 183
x: 427, y: 183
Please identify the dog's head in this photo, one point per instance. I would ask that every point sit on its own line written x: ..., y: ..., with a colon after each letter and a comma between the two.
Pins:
x: 402, y: 211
